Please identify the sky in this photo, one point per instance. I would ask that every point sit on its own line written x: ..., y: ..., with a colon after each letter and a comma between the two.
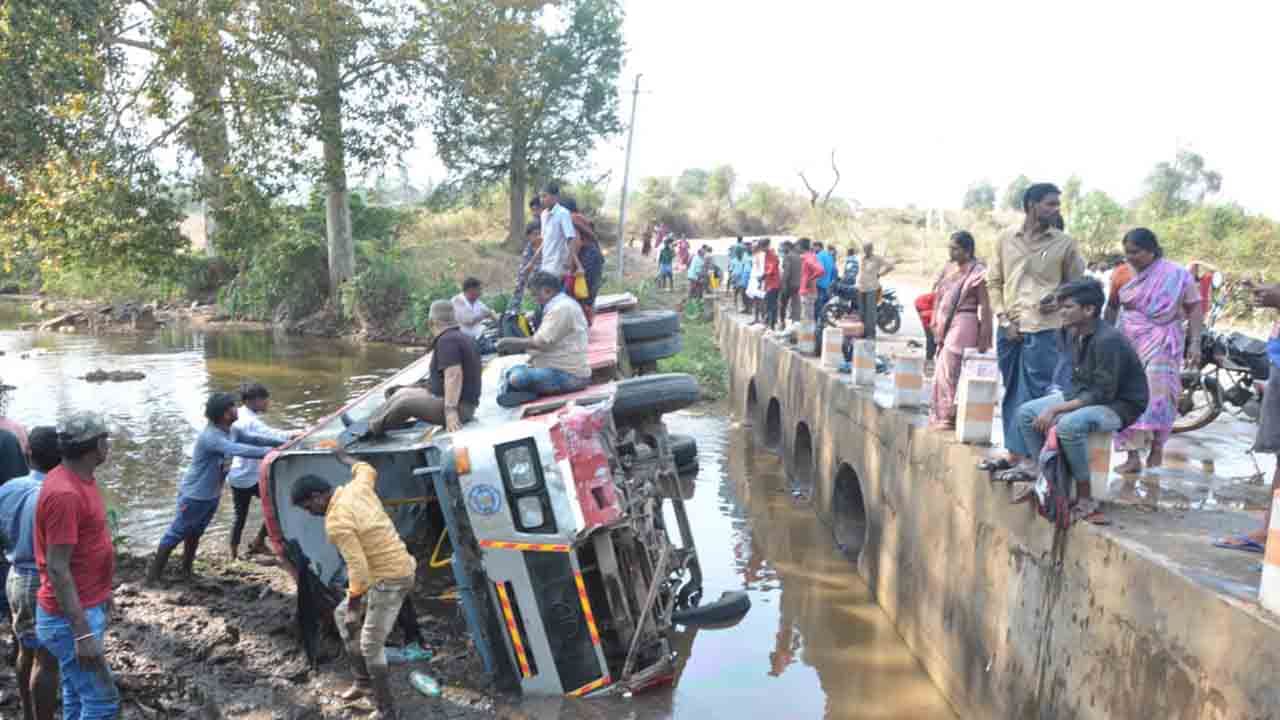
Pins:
x: 921, y: 99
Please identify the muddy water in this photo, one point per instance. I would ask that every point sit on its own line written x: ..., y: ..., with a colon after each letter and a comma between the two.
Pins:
x: 157, y: 419
x: 815, y: 644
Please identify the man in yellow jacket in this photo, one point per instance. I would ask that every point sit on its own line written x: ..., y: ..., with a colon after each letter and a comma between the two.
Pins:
x: 380, y: 572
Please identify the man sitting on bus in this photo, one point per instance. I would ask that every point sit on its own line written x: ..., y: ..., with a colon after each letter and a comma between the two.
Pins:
x: 557, y: 351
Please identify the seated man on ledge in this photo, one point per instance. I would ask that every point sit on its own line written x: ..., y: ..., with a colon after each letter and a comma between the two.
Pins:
x: 452, y: 385
x: 557, y: 351
x: 1108, y: 388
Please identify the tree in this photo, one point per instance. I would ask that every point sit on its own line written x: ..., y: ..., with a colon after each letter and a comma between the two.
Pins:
x: 1173, y: 188
x: 720, y: 184
x: 1014, y: 191
x: 522, y: 89
x: 346, y: 74
x: 1071, y: 195
x: 693, y: 182
x: 1095, y: 223
x: 980, y: 196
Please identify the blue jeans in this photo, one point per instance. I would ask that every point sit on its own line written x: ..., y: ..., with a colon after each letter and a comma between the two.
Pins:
x: 1027, y: 368
x: 1073, y: 431
x: 543, y: 381
x: 191, y: 520
x: 86, y: 695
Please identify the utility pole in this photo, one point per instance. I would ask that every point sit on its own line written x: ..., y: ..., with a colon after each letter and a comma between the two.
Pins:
x: 626, y: 174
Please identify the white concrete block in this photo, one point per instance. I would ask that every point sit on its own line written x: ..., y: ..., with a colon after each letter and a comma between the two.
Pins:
x: 908, y: 379
x: 1100, y: 444
x: 1269, y: 592
x: 864, y: 362
x: 832, y: 348
x: 976, y: 409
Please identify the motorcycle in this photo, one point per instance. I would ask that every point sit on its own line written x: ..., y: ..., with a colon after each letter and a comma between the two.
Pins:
x: 1233, y: 372
x: 844, y: 301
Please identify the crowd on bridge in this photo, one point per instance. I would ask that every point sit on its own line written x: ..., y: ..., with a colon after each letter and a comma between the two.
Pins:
x: 1075, y: 357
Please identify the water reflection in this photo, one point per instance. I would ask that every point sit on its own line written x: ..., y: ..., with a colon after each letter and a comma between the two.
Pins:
x: 157, y: 418
x: 815, y: 644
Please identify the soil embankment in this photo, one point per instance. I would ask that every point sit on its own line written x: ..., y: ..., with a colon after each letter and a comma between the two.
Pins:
x: 226, y: 646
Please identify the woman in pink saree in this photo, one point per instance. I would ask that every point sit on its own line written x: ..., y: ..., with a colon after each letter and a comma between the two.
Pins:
x: 1161, y: 315
x: 961, y: 320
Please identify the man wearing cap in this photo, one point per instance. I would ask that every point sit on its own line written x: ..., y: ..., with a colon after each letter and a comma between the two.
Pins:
x: 201, y: 486
x: 37, y: 670
x: 76, y: 561
x: 380, y: 572
x: 450, y: 393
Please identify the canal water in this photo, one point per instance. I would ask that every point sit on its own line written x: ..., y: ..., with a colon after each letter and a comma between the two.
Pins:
x: 815, y: 644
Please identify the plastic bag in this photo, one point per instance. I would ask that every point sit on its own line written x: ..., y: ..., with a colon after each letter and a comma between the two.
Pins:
x: 580, y: 290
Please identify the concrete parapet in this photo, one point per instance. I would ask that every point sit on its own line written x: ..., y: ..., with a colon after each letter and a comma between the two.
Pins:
x: 1010, y: 617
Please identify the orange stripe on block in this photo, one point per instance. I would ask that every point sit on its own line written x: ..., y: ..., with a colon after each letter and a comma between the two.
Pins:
x: 516, y: 641
x: 522, y: 547
x: 908, y: 381
x: 979, y: 412
x: 593, y: 685
x: 586, y: 609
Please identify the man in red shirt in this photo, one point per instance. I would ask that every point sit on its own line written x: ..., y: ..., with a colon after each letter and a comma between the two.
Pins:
x: 77, y: 563
x: 771, y: 281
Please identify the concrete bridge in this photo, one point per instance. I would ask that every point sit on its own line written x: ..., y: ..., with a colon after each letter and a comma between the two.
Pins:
x: 1010, y: 617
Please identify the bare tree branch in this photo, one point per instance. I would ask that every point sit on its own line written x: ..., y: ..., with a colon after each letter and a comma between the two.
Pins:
x: 827, y: 198
x: 139, y: 44
x: 813, y: 194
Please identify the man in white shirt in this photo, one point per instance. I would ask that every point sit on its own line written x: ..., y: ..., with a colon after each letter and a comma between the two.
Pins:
x: 559, y: 252
x: 468, y: 311
x: 243, y: 475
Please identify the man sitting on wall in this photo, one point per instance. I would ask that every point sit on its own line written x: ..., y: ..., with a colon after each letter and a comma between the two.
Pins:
x: 1108, y: 393
x: 557, y: 351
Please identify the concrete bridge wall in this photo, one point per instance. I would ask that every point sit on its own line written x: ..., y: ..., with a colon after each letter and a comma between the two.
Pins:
x: 1010, y: 618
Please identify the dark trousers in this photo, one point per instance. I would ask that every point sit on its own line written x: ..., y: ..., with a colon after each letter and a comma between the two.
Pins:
x: 867, y: 301
x: 771, y: 308
x: 242, y: 497
x: 790, y: 302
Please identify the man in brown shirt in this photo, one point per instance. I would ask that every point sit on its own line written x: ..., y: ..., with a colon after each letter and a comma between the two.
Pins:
x: 1030, y: 263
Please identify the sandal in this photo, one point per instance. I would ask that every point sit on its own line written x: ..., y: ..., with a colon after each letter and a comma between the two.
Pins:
x: 995, y: 464
x: 1013, y: 475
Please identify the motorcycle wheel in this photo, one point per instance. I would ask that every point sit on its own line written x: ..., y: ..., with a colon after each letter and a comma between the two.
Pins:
x: 888, y: 319
x: 1206, y: 405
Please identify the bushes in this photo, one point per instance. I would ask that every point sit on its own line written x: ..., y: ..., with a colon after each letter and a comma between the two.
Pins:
x: 288, y: 272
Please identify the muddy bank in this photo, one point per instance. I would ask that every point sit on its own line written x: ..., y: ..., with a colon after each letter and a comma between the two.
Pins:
x: 226, y: 645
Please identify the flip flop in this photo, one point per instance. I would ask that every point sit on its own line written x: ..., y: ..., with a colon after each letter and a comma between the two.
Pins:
x: 1014, y: 475
x: 995, y: 464
x: 1239, y: 542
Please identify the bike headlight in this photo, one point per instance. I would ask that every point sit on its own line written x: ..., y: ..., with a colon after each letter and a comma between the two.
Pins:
x: 530, y: 510
x: 521, y: 473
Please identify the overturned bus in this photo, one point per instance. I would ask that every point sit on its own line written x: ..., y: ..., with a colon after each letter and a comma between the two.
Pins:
x: 557, y: 512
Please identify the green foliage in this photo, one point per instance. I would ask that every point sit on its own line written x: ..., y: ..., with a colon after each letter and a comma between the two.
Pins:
x: 701, y: 357
x: 75, y: 213
x: 522, y: 89
x: 1095, y: 222
x: 287, y: 272
x: 1174, y: 188
x: 980, y: 196
x: 55, y: 60
x: 1014, y: 191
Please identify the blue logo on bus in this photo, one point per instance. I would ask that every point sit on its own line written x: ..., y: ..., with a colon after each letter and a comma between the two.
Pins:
x: 484, y: 500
